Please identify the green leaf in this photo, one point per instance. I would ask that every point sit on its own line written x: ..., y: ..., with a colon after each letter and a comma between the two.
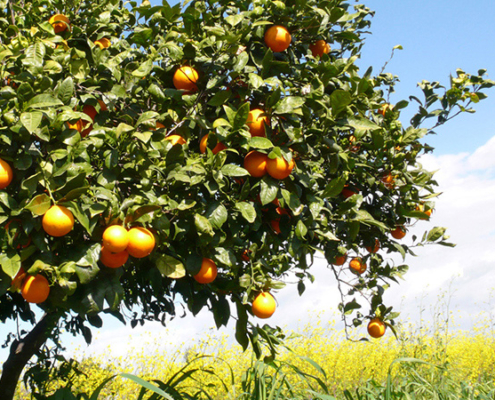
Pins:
x: 233, y: 170
x: 220, y: 98
x: 66, y: 90
x: 241, y: 116
x: 339, y: 100
x: 435, y: 234
x: 143, y: 70
x: 217, y: 215
x: 259, y: 142
x: 241, y: 61
x: 147, y: 385
x: 247, y: 211
x: 43, y: 101
x: 288, y: 105
x: 203, y: 225
x: 301, y: 229
x: 361, y: 124
x: 334, y: 187
x: 10, y: 263
x: 255, y: 81
x: 269, y: 189
x: 170, y: 267
x: 39, y: 205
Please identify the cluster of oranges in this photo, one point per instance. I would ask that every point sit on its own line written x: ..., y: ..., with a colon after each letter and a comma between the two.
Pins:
x: 118, y: 243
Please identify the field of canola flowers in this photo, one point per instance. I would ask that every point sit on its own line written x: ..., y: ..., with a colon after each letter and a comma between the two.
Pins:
x: 460, y: 363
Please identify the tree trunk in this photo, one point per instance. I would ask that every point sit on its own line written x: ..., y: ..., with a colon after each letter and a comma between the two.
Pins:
x: 22, y: 351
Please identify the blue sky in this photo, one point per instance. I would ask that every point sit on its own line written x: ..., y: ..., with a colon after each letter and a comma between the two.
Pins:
x: 438, y: 37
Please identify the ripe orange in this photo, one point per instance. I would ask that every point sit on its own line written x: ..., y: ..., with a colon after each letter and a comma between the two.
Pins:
x: 245, y: 255
x: 347, y: 192
x: 353, y: 147
x: 357, y: 265
x: 176, y: 139
x: 115, y: 238
x: 78, y: 126
x: 421, y: 207
x: 35, y: 289
x: 90, y: 111
x: 275, y: 223
x: 277, y: 38
x: 113, y: 260
x: 376, y: 328
x: 256, y: 122
x: 399, y: 232
x: 388, y: 180
x: 203, y: 144
x: 18, y: 279
x: 103, y: 43
x: 279, y: 168
x: 103, y: 106
x: 59, y: 22
x: 141, y: 242
x: 319, y: 48
x: 340, y: 260
x: 385, y: 108
x: 207, y: 273
x: 185, y: 78
x: 58, y: 221
x: 375, y: 248
x: 255, y: 163
x: 6, y: 174
x: 264, y: 305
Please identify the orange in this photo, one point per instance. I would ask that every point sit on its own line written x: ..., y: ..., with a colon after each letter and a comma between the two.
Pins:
x: 264, y: 305
x: 347, y: 192
x: 141, y: 242
x: 340, y: 260
x: 103, y: 106
x: 203, y: 144
x: 388, y: 180
x: 245, y: 255
x: 319, y: 48
x: 279, y: 168
x: 376, y: 328
x: 59, y: 22
x: 103, y: 43
x: 35, y: 289
x: 58, y: 221
x: 399, y: 232
x: 353, y: 147
x: 6, y: 174
x: 18, y: 280
x: 277, y: 38
x: 207, y: 273
x: 78, y: 126
x: 113, y: 260
x: 375, y: 248
x: 385, y: 108
x: 421, y: 207
x: 90, y: 111
x: 255, y: 163
x: 275, y: 223
x: 115, y: 238
x: 176, y: 139
x: 256, y: 122
x: 185, y: 78
x: 357, y: 265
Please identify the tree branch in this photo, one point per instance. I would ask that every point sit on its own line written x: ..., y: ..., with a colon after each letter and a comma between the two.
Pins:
x: 21, y: 352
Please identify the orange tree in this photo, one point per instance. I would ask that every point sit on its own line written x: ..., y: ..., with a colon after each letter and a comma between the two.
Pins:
x: 142, y: 118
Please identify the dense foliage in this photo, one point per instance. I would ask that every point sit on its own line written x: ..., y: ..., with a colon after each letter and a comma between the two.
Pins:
x: 89, y: 104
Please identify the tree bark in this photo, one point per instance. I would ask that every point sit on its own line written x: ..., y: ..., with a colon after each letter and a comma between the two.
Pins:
x: 22, y: 351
